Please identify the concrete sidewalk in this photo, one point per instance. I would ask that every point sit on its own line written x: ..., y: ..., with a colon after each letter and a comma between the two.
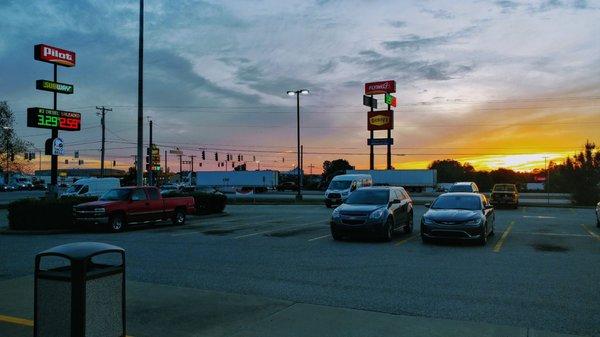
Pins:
x: 158, y: 310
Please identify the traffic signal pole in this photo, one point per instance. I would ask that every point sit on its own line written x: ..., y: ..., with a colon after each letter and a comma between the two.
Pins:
x: 53, y: 191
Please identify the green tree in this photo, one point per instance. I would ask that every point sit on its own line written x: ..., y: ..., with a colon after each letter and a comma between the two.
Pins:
x: 450, y: 170
x: 582, y: 171
x: 334, y: 168
x: 10, y: 144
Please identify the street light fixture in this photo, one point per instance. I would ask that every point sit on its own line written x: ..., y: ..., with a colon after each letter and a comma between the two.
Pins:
x: 299, y: 169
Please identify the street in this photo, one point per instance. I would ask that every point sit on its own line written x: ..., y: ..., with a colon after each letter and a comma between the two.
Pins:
x: 539, y: 271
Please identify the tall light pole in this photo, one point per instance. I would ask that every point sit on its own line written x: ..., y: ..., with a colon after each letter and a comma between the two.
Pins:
x: 297, y: 94
x: 139, y: 179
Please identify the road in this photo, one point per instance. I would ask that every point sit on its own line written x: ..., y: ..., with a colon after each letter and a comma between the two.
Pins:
x: 539, y: 271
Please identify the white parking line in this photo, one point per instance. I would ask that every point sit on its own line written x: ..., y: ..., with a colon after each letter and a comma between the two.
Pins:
x: 279, y: 229
x: 592, y: 234
x: 552, y: 234
x: 539, y: 216
x: 320, y: 237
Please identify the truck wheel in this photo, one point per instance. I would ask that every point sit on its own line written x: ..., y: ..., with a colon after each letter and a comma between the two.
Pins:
x: 179, y: 218
x: 117, y: 223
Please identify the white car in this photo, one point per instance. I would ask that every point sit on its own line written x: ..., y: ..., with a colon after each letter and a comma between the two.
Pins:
x: 598, y: 215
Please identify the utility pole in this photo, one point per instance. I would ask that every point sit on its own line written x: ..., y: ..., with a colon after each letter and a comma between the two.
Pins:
x: 140, y: 120
x: 8, y: 136
x: 150, y: 159
x: 301, y: 170
x: 102, y: 115
x: 311, y: 166
x: 166, y: 167
x: 547, y: 181
x: 371, y: 152
x: 192, y: 162
x: 180, y: 165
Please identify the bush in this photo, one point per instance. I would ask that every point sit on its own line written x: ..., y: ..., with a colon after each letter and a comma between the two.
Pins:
x: 206, y: 203
x: 39, y: 214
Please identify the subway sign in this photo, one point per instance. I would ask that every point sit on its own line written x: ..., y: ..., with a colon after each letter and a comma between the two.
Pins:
x: 380, y: 120
x: 61, y: 88
x: 46, y: 53
x: 53, y: 119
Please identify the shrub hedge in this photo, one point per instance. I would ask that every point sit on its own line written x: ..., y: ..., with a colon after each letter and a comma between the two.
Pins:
x: 40, y: 214
x: 206, y: 203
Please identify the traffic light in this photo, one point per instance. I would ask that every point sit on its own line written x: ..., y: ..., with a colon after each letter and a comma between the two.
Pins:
x: 283, y: 159
x: 26, y: 156
x: 66, y: 161
x: 76, y: 154
x: 216, y: 156
x: 239, y: 157
x: 114, y: 163
x: 253, y: 158
x: 80, y: 161
x: 232, y: 165
x: 12, y: 156
x: 203, y: 155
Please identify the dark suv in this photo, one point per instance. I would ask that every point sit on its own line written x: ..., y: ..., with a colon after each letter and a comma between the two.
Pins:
x: 376, y: 211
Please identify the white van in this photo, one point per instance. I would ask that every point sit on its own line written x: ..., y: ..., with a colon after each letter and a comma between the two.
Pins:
x: 341, y: 186
x: 92, y: 187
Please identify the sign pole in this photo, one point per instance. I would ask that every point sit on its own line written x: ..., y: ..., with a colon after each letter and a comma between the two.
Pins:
x: 389, y: 147
x: 53, y: 191
x: 371, y: 154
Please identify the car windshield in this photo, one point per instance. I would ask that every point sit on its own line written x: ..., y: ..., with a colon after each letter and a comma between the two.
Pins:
x: 340, y: 184
x: 468, y: 202
x: 461, y: 188
x: 504, y: 188
x: 368, y: 197
x: 116, y: 195
x: 74, y: 188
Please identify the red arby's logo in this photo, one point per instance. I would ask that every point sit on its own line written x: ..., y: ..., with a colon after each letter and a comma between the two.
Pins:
x: 46, y: 53
x: 382, y: 87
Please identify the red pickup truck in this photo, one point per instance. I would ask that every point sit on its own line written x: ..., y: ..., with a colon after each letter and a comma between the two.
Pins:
x: 124, y: 206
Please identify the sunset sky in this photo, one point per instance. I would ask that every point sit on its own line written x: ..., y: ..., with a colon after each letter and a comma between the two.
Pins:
x: 493, y: 83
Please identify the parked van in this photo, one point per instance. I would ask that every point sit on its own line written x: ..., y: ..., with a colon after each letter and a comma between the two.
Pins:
x: 91, y: 187
x: 342, y: 186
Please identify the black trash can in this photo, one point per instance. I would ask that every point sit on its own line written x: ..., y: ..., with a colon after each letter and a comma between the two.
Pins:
x: 83, y: 298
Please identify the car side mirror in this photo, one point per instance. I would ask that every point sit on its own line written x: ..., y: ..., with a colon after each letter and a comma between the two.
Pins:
x: 428, y: 205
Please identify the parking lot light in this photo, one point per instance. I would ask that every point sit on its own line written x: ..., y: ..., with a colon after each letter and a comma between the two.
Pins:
x: 299, y: 172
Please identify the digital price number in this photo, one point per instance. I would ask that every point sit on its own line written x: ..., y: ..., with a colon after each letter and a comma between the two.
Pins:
x: 53, y: 119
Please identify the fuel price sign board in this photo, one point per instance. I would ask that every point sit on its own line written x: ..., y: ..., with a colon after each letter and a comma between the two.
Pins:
x: 53, y: 119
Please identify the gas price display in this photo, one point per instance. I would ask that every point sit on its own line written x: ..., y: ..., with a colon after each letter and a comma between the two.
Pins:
x: 53, y: 119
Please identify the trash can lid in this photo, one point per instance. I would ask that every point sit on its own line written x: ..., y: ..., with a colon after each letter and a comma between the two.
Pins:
x: 82, y: 250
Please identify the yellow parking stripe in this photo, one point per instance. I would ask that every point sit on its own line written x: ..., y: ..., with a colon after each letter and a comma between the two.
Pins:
x: 16, y: 320
x: 22, y: 321
x: 592, y: 234
x: 500, y: 242
x: 405, y: 240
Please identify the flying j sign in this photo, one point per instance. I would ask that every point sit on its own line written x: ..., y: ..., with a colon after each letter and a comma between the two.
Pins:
x: 46, y: 53
x: 61, y: 88
x: 380, y: 120
x: 383, y: 87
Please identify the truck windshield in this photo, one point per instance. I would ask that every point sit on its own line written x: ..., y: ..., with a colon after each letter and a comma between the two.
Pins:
x: 116, y: 195
x: 340, y: 184
x: 74, y: 188
x: 504, y: 188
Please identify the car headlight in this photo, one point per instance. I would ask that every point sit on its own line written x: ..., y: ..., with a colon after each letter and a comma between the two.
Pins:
x: 428, y: 221
x: 335, y: 214
x: 376, y: 214
x: 100, y: 210
x: 474, y: 222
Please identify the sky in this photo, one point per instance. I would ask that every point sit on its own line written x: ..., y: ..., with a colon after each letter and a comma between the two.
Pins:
x: 493, y: 83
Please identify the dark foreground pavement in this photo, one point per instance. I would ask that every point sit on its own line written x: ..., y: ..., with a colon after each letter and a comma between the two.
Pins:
x: 160, y: 310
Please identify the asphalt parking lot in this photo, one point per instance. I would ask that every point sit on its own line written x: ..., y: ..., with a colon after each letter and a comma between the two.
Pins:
x: 539, y: 271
